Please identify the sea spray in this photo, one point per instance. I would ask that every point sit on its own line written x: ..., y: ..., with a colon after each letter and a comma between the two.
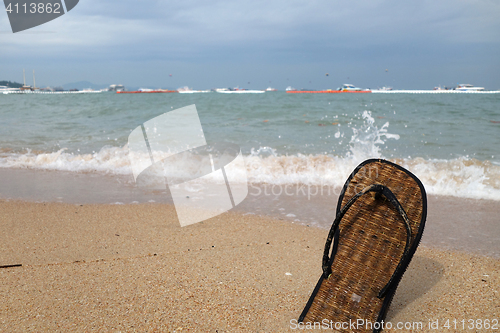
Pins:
x: 366, y: 141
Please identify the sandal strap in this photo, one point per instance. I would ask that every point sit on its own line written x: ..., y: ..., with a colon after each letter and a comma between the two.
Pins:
x: 384, y: 190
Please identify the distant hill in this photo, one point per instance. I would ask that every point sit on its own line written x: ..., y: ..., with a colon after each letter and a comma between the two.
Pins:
x: 10, y: 84
x: 84, y: 84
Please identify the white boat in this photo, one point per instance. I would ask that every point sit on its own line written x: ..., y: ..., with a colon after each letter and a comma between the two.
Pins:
x: 187, y: 90
x: 383, y: 89
x: 6, y: 89
x: 468, y: 87
x: 349, y: 87
x: 271, y: 89
x: 290, y: 88
x: 241, y: 91
x: 238, y: 91
x: 116, y: 87
x: 439, y: 88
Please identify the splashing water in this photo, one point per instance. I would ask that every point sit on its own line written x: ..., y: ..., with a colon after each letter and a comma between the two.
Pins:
x: 365, y: 141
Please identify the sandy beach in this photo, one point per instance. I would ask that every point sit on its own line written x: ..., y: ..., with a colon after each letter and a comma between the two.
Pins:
x: 133, y: 268
x: 143, y: 120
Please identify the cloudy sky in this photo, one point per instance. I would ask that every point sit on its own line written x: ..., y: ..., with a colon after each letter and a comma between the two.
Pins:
x: 255, y: 44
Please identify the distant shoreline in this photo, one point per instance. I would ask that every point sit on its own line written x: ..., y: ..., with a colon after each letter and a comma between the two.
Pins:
x: 51, y: 92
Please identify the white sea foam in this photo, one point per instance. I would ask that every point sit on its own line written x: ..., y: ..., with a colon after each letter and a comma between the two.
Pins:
x: 460, y: 177
x: 108, y: 160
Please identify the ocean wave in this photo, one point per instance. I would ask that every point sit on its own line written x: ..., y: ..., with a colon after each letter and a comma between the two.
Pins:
x: 460, y: 177
x: 113, y: 160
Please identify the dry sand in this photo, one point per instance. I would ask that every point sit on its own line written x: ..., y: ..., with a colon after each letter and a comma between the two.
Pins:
x: 133, y: 268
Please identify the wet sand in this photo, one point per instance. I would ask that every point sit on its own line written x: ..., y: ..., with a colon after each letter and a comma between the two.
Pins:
x: 133, y: 268
x: 456, y: 224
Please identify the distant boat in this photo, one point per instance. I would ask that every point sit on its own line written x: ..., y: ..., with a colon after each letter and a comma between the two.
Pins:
x: 238, y: 90
x: 385, y: 88
x: 346, y: 88
x: 349, y: 87
x: 187, y: 90
x: 116, y: 87
x: 468, y: 87
x: 271, y: 89
x: 328, y: 91
x: 146, y: 91
x: 6, y: 89
x: 290, y: 88
x: 440, y: 88
x: 26, y: 87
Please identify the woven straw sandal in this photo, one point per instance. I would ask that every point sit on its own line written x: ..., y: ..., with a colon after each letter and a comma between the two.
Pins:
x: 380, y: 219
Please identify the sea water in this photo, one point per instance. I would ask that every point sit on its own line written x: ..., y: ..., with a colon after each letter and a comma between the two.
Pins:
x: 450, y: 141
